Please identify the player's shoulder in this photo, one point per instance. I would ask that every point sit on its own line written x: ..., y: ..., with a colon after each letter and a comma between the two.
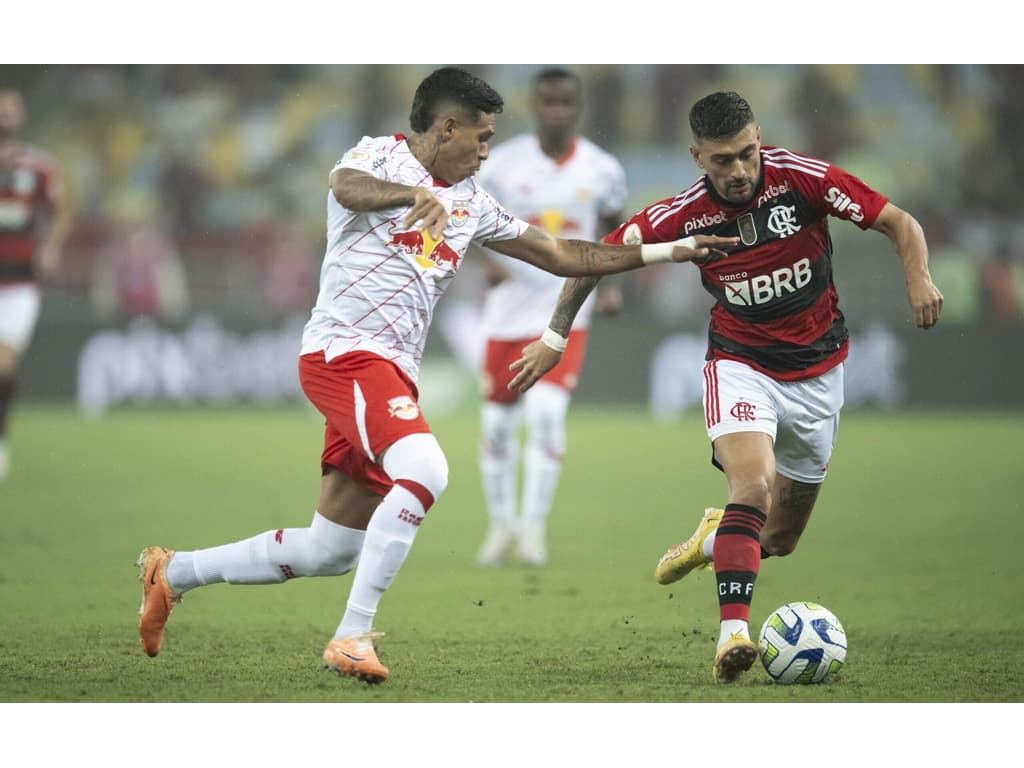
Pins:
x: 592, y: 149
x: 794, y: 163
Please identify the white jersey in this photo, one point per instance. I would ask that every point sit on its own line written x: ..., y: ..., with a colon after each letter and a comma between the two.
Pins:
x: 379, y: 282
x: 566, y: 199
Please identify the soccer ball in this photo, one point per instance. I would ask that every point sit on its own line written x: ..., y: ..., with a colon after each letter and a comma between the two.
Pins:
x: 802, y: 643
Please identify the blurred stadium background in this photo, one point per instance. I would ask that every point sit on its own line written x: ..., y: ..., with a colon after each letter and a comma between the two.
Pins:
x: 200, y: 200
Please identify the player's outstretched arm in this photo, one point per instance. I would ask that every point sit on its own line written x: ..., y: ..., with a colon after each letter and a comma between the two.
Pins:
x: 907, y: 236
x: 580, y: 258
x: 360, y: 191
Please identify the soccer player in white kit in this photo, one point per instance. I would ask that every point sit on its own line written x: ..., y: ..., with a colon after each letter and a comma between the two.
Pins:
x: 401, y: 214
x: 570, y: 187
x: 773, y: 381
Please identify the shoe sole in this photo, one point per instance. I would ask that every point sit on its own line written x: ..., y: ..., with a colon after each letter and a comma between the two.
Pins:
x: 366, y: 677
x: 733, y: 663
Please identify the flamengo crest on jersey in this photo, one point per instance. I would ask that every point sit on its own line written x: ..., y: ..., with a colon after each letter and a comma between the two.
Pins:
x: 379, y: 281
x: 776, y: 307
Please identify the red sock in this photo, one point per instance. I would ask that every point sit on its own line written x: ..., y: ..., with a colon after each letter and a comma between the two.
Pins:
x: 737, y: 554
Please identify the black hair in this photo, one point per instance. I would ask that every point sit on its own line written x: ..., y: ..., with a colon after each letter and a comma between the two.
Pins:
x: 455, y: 86
x: 720, y: 115
x: 557, y: 73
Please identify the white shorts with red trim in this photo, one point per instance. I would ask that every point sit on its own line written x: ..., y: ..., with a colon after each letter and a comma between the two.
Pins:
x: 801, y: 417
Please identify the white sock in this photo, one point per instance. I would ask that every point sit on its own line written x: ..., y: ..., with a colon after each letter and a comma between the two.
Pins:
x: 389, y: 538
x: 732, y: 627
x: 499, y: 460
x: 546, y: 408
x: 708, y: 547
x: 323, y: 549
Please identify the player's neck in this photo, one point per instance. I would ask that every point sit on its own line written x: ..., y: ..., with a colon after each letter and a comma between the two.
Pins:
x: 426, y: 148
x: 558, y: 147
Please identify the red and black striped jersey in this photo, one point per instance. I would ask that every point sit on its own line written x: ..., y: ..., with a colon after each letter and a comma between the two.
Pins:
x: 776, y: 307
x: 26, y: 199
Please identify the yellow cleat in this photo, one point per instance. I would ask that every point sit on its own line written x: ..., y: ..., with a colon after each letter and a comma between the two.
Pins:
x: 157, y: 597
x: 356, y: 657
x: 688, y: 556
x: 734, y: 658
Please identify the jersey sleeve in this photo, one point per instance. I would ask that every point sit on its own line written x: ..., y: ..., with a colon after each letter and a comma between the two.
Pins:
x: 495, y: 222
x: 367, y: 156
x: 846, y: 197
x: 638, y: 229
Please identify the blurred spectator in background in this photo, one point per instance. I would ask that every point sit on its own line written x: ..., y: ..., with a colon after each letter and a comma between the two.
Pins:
x: 138, y: 272
x: 35, y: 220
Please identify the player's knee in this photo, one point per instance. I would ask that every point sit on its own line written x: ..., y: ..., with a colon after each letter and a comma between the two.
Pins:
x: 418, y: 458
x: 326, y: 562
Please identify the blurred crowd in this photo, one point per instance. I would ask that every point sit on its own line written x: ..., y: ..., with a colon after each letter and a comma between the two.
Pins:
x: 202, y: 188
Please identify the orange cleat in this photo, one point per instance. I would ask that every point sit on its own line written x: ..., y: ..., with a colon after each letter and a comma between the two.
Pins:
x: 157, y: 597
x: 355, y: 656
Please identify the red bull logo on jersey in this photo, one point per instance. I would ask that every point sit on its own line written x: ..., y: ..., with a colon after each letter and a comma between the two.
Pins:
x: 427, y: 251
x: 403, y: 407
x: 761, y: 289
x: 460, y: 212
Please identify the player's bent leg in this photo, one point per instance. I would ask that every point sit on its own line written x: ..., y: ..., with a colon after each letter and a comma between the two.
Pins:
x: 792, y: 504
x: 689, y: 555
x: 418, y: 467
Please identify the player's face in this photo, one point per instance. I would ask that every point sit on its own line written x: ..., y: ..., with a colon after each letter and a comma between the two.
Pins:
x: 557, y: 105
x: 465, y: 146
x: 733, y: 165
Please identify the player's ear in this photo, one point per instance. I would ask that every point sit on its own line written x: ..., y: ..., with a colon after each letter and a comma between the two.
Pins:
x: 695, y: 154
x: 448, y: 126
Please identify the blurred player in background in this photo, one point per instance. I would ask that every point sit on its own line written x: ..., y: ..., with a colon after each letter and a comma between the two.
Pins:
x: 401, y: 215
x: 773, y: 381
x: 569, y: 187
x: 35, y: 220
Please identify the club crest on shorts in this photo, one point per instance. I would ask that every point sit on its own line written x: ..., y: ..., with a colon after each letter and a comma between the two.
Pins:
x: 403, y: 407
x: 743, y: 411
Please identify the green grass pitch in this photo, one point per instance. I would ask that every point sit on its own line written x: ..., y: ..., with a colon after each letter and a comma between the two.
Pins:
x: 915, y: 545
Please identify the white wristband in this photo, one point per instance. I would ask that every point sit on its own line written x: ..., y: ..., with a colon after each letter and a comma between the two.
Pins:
x: 553, y: 340
x: 656, y: 253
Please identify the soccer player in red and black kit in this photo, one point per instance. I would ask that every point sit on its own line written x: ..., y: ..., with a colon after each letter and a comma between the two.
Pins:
x: 773, y: 380
x: 34, y: 222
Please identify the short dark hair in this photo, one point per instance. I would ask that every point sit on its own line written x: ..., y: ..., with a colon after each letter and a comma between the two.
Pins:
x: 557, y: 73
x: 720, y: 115
x: 456, y: 86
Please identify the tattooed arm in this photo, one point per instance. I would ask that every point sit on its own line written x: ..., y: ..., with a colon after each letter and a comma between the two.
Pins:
x: 578, y: 258
x: 359, y: 191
